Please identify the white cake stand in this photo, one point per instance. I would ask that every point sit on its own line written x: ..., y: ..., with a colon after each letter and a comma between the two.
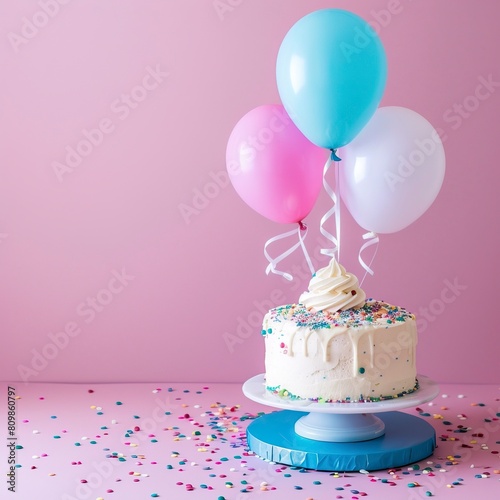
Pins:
x: 341, y: 436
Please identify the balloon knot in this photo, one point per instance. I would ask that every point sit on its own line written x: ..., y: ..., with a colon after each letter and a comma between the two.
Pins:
x: 334, y: 156
x: 302, y: 226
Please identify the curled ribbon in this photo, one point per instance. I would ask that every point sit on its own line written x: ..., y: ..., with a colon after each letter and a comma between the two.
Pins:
x: 271, y: 268
x: 373, y: 239
x: 335, y: 210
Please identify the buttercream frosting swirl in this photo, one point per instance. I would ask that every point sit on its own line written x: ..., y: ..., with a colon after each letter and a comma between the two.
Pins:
x: 333, y: 289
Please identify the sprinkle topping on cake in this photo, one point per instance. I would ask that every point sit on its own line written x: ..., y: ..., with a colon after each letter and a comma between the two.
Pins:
x: 371, y: 313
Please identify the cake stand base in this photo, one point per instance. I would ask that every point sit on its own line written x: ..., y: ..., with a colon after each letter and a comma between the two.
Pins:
x: 407, y: 439
x: 340, y: 428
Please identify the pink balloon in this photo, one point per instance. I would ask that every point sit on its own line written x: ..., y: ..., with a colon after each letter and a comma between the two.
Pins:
x: 272, y: 166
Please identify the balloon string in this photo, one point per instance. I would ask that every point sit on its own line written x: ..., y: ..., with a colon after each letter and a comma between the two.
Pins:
x: 373, y: 239
x: 335, y: 209
x: 273, y: 262
x: 337, y: 206
x: 303, y: 227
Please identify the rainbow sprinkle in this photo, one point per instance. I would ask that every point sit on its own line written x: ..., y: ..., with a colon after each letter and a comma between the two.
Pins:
x: 372, y: 313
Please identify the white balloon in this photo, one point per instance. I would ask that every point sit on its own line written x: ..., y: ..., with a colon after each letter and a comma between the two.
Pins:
x: 392, y: 171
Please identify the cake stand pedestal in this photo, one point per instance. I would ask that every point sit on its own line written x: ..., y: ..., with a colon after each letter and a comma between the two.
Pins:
x: 341, y: 436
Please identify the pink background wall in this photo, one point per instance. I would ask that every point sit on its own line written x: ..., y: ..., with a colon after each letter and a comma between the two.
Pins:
x: 191, y: 290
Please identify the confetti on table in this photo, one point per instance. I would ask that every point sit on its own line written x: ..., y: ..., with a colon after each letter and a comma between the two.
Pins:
x: 188, y: 441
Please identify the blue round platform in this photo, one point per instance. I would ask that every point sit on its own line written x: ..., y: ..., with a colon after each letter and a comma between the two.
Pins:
x: 407, y: 439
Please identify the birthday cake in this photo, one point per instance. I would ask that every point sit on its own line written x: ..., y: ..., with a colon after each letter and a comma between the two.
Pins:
x: 337, y: 346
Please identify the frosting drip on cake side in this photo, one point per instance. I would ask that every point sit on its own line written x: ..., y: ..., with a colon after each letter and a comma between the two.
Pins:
x: 333, y: 289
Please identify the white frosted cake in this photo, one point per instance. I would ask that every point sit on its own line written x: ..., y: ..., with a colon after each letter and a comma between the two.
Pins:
x: 336, y: 346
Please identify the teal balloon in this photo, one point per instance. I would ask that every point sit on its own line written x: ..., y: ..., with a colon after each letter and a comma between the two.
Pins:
x: 331, y: 72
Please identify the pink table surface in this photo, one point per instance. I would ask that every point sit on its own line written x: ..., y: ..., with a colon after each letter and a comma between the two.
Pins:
x: 188, y: 441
